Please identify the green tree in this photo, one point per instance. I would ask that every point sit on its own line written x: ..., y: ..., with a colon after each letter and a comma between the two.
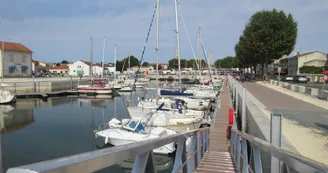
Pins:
x: 227, y: 62
x: 57, y: 64
x: 268, y: 35
x: 145, y: 64
x: 312, y: 69
x: 124, y: 63
x: 64, y: 62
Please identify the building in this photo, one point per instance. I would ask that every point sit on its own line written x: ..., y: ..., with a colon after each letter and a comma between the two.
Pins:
x: 62, y: 70
x: 79, y: 68
x: 316, y: 59
x: 35, y: 66
x: 161, y: 66
x: 142, y: 69
x: 16, y: 60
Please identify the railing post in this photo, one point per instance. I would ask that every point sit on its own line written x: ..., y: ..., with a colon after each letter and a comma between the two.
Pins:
x: 140, y: 163
x: 243, y: 111
x: 238, y: 151
x: 236, y: 107
x: 203, y: 143
x: 178, y: 155
x: 245, y: 156
x: 275, y: 139
x: 192, y: 150
x: 257, y: 159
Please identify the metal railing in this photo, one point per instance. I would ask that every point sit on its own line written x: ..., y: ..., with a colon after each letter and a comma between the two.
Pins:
x: 141, y: 151
x: 241, y: 144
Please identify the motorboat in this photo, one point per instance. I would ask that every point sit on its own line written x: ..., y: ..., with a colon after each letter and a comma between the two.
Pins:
x: 125, y: 89
x: 97, y: 87
x: 131, y: 131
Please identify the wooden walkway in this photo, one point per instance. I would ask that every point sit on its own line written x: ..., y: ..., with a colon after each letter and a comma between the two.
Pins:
x: 218, y: 159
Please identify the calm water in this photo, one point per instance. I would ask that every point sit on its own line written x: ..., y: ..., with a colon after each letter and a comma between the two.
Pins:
x: 34, y: 130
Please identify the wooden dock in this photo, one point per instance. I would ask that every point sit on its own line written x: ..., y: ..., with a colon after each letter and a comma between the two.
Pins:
x: 218, y: 159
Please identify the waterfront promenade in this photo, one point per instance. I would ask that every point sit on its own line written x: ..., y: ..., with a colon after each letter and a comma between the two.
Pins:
x: 304, y: 124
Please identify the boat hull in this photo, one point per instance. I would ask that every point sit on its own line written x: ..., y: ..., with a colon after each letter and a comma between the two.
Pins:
x: 174, y: 93
x: 94, y: 91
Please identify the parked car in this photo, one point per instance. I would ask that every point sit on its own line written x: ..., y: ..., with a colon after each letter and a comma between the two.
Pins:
x: 302, y: 79
x: 289, y: 78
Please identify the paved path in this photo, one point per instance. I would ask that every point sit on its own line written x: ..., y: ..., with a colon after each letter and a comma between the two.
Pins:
x: 304, y: 113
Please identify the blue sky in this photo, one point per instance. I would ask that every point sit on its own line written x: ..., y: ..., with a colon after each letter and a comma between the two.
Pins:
x: 60, y: 29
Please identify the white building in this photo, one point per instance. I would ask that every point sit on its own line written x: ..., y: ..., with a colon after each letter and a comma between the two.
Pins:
x: 16, y: 60
x: 79, y: 68
x: 35, y: 66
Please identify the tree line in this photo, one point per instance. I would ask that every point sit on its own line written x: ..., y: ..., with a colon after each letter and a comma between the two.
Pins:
x: 268, y: 35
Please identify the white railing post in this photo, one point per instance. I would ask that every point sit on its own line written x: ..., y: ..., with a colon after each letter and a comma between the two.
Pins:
x: 257, y: 159
x: 245, y: 156
x: 192, y: 149
x: 243, y: 111
x: 178, y: 155
x: 140, y: 163
x: 275, y: 139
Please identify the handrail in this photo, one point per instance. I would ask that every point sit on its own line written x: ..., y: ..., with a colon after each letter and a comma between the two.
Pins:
x: 294, y: 161
x: 142, y: 151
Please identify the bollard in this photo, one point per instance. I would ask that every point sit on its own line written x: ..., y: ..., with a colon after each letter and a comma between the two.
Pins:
x: 275, y: 139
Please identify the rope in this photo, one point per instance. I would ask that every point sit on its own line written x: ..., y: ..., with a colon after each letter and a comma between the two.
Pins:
x: 143, y: 52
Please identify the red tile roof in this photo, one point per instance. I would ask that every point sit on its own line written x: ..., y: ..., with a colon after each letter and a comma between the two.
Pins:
x: 35, y: 62
x: 17, y: 47
x: 86, y: 62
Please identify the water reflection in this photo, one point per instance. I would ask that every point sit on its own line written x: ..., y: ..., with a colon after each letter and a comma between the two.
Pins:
x: 12, y: 119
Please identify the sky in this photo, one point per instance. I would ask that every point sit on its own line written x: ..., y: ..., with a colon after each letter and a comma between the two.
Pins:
x: 57, y: 30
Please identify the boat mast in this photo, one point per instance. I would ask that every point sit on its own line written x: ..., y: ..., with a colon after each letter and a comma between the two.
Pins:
x: 177, y: 39
x: 115, y: 64
x: 157, y: 47
x: 103, y: 58
x: 91, y: 71
x: 3, y: 48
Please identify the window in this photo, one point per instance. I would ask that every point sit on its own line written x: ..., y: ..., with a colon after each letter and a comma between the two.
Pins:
x: 24, y: 70
x: 23, y: 58
x: 11, y: 58
x: 11, y: 70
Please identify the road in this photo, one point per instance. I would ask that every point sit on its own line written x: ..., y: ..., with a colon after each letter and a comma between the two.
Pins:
x: 304, y: 113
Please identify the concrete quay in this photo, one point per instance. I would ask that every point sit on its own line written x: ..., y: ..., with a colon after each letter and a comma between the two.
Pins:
x: 42, y: 85
x: 304, y: 122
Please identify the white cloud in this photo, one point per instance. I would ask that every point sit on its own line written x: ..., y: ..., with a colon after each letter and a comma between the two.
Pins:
x: 126, y: 23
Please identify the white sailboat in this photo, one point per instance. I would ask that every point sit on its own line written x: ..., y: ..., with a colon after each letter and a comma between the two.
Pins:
x: 5, y: 95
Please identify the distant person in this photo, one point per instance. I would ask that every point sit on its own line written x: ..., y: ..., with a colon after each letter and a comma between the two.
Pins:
x: 243, y: 78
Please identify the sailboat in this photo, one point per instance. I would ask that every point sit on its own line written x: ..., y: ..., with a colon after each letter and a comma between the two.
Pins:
x: 5, y: 95
x: 97, y: 86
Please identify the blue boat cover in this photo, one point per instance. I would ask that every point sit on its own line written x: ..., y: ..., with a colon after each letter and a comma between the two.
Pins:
x: 139, y: 128
x: 175, y: 93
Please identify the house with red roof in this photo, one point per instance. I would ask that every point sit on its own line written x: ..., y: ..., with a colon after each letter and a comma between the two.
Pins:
x: 16, y: 60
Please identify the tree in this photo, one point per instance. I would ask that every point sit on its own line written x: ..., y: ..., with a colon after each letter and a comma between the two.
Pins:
x: 268, y: 35
x: 64, y: 62
x: 312, y: 69
x: 191, y: 63
x: 226, y: 62
x: 145, y: 64
x: 124, y: 63
x: 57, y: 64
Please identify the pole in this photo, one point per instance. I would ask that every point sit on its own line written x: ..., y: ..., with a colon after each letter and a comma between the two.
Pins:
x: 177, y: 39
x: 3, y: 48
x: 103, y: 58
x: 157, y: 47
x: 91, y: 71
x: 115, y: 63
